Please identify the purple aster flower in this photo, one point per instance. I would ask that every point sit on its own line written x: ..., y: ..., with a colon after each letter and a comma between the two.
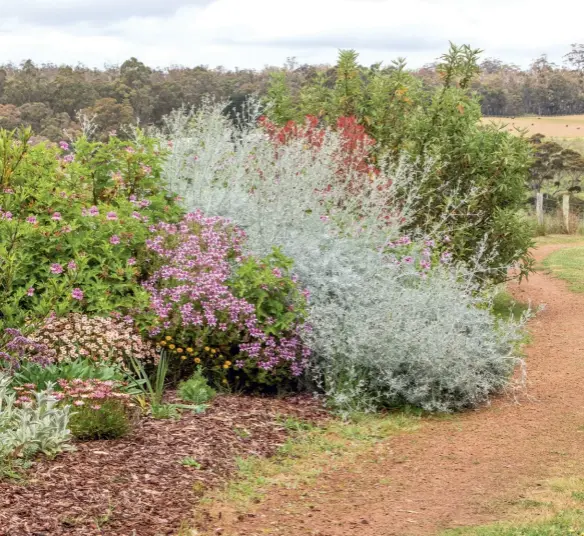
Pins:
x: 56, y: 268
x: 56, y: 216
x: 64, y: 145
x: 131, y: 261
x: 30, y: 291
x: 408, y: 260
x: 31, y: 219
x: 112, y: 216
x: 77, y: 294
x: 72, y: 265
x: 69, y: 158
x: 115, y: 240
x: 93, y: 211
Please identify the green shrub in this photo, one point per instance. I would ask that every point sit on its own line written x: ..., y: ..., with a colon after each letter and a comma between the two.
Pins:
x: 474, y: 175
x: 108, y: 420
x: 196, y: 389
x: 74, y: 222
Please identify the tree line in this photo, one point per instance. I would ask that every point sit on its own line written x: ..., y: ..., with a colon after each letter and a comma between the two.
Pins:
x: 48, y: 98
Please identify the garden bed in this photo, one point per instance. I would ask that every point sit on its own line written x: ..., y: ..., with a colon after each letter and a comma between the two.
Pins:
x: 138, y: 485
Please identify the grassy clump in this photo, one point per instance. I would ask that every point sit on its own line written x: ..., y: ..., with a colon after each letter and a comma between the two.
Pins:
x: 310, y: 450
x: 568, y: 264
x: 108, y: 420
x: 557, y: 509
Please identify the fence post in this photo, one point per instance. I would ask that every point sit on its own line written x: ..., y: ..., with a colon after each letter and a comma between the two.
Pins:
x: 539, y: 208
x: 566, y: 211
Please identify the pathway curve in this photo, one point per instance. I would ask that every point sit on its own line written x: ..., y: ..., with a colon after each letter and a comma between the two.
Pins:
x: 457, y: 472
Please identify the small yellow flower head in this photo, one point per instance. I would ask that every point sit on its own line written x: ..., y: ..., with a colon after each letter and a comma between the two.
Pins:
x: 226, y: 366
x: 213, y: 351
x: 172, y: 346
x: 168, y: 338
x: 225, y: 381
x: 228, y: 363
x: 207, y: 348
x: 190, y: 350
x: 183, y: 357
x: 162, y: 343
x: 180, y: 350
x: 197, y: 360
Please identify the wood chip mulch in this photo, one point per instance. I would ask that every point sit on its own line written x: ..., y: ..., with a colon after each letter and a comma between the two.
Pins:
x: 137, y: 486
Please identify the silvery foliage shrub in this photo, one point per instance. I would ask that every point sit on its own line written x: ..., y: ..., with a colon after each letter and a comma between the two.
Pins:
x: 380, y: 335
x: 29, y: 428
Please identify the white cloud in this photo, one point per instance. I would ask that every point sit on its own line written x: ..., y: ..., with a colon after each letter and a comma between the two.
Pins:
x: 253, y: 33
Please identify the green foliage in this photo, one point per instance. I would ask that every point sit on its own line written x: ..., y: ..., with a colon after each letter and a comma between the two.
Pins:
x: 196, y: 389
x: 44, y: 375
x: 475, y: 175
x: 267, y: 283
x: 279, y: 98
x: 76, y: 220
x: 109, y: 420
x: 190, y: 462
x: 152, y: 388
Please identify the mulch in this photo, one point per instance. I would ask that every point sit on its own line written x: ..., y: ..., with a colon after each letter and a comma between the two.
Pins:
x: 137, y: 486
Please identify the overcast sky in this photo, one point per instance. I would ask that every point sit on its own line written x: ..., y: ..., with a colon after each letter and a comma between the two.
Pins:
x: 255, y: 33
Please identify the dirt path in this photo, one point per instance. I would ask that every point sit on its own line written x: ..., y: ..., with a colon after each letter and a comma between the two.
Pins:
x: 457, y: 472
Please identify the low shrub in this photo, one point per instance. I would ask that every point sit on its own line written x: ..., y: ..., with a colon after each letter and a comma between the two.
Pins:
x: 109, y: 420
x: 31, y: 426
x: 237, y: 315
x: 97, y: 339
x: 100, y: 409
x: 196, y: 389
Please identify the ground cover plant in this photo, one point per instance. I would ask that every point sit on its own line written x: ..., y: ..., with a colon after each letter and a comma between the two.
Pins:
x: 567, y: 264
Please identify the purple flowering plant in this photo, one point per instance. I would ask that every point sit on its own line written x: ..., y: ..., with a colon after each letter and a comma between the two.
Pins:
x: 210, y: 304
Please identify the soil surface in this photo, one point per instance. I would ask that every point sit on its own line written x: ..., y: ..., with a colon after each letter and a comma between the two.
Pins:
x: 137, y: 486
x: 465, y: 470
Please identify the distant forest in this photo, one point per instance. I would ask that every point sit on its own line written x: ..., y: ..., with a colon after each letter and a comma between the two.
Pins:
x: 49, y: 97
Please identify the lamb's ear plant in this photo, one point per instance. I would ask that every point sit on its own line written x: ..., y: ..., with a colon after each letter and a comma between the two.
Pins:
x: 31, y: 427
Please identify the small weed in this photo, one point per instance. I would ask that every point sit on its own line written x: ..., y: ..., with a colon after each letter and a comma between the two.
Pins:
x: 241, y: 432
x: 165, y: 411
x: 191, y: 462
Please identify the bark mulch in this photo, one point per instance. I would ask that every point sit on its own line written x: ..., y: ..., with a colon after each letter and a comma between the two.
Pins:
x: 137, y: 486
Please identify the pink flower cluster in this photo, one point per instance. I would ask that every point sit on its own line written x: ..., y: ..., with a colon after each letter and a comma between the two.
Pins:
x: 190, y: 292
x: 91, y: 393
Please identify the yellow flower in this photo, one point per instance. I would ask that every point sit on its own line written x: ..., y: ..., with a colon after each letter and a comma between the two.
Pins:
x: 162, y: 343
x: 224, y: 381
x: 183, y: 357
x: 207, y: 348
x: 225, y: 366
x: 180, y: 350
x: 228, y: 363
x: 168, y: 338
x: 197, y: 360
x: 213, y: 351
x: 172, y: 346
x: 190, y: 350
